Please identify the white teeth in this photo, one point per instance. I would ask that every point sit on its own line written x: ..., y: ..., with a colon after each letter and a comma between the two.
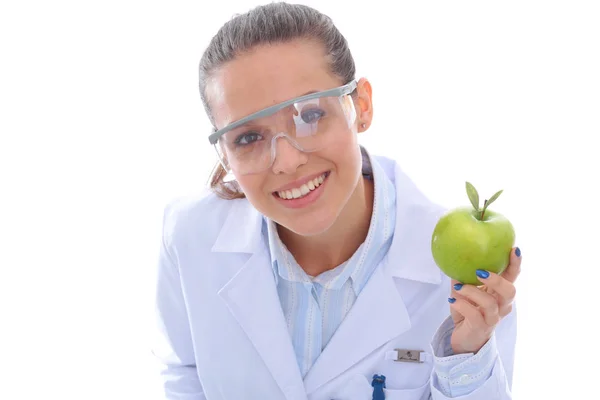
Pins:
x: 302, y: 190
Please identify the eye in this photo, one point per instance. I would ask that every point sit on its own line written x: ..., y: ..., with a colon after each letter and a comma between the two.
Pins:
x: 312, y: 115
x: 247, y: 138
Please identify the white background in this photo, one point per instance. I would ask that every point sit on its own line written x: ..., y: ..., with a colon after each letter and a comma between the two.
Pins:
x: 101, y: 124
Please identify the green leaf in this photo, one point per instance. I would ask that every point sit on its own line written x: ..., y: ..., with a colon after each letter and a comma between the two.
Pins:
x: 493, y: 198
x: 488, y: 202
x: 473, y: 196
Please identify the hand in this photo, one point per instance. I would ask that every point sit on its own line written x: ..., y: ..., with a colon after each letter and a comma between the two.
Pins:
x: 477, y: 310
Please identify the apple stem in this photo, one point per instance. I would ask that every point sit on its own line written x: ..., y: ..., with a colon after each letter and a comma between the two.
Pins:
x: 484, y: 207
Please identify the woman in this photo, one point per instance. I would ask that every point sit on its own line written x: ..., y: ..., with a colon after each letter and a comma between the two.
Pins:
x: 310, y: 276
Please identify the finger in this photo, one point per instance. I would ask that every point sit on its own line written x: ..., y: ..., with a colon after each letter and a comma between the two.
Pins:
x: 456, y: 292
x: 503, y: 289
x: 469, y: 312
x: 514, y: 266
x: 487, y: 304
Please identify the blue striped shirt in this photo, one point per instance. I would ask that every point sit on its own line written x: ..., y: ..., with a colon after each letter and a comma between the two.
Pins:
x: 314, y: 307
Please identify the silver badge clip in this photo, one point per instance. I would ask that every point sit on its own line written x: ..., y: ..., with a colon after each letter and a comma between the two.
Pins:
x: 403, y: 355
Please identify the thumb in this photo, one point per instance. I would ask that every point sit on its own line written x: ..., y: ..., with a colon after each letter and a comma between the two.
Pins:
x: 514, y: 266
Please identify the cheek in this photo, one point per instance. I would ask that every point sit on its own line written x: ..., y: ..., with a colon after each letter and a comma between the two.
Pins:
x: 249, y: 184
x: 345, y: 154
x: 253, y: 188
x: 343, y: 142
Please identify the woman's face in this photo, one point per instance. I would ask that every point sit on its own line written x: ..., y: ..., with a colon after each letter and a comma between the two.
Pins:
x: 269, y: 75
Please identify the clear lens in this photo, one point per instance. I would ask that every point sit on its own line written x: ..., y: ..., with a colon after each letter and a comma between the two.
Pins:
x: 309, y: 125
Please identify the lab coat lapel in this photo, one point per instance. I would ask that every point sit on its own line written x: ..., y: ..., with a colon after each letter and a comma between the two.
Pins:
x: 370, y: 324
x: 252, y: 298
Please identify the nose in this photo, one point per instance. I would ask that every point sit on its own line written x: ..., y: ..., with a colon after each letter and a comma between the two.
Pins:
x: 287, y: 157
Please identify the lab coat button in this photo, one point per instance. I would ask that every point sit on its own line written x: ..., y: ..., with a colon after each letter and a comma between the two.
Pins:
x: 463, y: 378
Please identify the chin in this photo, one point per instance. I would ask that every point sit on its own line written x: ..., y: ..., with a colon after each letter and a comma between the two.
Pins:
x: 309, y: 226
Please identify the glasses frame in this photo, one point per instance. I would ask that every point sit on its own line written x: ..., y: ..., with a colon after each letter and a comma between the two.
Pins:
x: 335, y: 92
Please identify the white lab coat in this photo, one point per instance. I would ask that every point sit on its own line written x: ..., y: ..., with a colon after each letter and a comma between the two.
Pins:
x: 222, y: 331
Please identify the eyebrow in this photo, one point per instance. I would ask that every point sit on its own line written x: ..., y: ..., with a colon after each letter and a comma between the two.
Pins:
x: 309, y: 92
x: 291, y: 98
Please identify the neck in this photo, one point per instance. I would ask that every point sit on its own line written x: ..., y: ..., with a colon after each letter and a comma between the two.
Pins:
x: 323, y: 252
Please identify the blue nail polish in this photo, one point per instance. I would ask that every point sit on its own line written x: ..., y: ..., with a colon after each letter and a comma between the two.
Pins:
x: 451, y: 299
x: 482, y: 274
x: 457, y: 286
x: 518, y: 252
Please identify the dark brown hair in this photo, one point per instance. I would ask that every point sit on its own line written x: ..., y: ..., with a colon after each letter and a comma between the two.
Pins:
x: 272, y: 23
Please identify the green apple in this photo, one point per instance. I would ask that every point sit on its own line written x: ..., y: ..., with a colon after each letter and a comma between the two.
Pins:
x: 466, y: 239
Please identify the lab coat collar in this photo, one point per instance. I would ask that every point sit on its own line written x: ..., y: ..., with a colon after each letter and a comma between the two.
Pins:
x: 410, y: 251
x: 252, y: 298
x: 241, y: 231
x: 416, y: 216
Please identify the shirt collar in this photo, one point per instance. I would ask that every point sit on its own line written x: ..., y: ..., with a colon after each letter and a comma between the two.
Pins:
x: 283, y: 262
x: 381, y: 229
x: 363, y: 262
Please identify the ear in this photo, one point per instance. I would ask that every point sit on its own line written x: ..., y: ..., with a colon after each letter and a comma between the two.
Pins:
x: 364, y: 104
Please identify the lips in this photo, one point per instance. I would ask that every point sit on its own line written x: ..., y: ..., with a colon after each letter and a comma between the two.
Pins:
x: 302, y: 190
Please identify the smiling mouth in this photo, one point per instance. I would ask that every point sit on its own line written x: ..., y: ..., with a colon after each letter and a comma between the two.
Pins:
x: 303, y: 190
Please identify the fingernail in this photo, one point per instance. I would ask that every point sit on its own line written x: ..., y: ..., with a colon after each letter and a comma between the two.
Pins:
x: 482, y: 274
x: 518, y: 252
x: 457, y: 286
x: 451, y: 299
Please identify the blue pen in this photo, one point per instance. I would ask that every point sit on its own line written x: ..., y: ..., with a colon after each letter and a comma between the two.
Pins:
x: 378, y: 384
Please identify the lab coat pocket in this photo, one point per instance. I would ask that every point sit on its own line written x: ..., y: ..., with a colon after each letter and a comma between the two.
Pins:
x: 420, y: 393
x: 407, y: 380
x: 359, y: 388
